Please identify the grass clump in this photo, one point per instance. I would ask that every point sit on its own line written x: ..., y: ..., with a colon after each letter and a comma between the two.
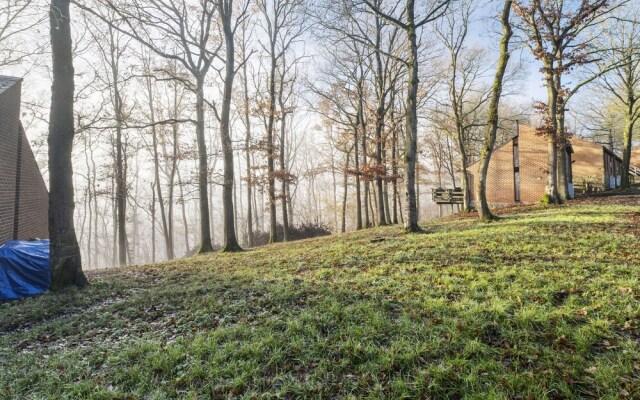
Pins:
x: 541, y: 304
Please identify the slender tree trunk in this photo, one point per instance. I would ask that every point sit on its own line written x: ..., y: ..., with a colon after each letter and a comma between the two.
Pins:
x: 90, y: 202
x: 628, y: 136
x: 411, y: 133
x: 551, y: 189
x: 394, y: 172
x: 356, y: 159
x: 563, y: 188
x: 172, y: 174
x: 273, y: 225
x: 492, y: 126
x: 185, y: 222
x: 373, y: 202
x: 387, y: 208
x: 417, y: 190
x: 380, y: 115
x: 153, y: 222
x: 203, y: 170
x: 156, y: 170
x: 283, y: 171
x: 94, y: 175
x: 247, y: 150
x: 65, y: 260
x: 121, y: 180
x: 230, y: 240
x: 345, y: 187
x: 563, y: 181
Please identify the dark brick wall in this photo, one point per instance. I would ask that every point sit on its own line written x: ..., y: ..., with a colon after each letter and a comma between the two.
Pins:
x: 635, y: 158
x: 31, y: 219
x: 533, y: 164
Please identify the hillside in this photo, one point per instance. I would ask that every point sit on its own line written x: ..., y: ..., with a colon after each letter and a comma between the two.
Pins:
x: 544, y: 303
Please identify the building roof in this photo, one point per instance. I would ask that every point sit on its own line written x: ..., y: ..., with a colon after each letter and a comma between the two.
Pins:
x: 7, y: 81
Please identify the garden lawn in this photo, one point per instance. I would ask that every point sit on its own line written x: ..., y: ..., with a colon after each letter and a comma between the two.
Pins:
x: 543, y: 304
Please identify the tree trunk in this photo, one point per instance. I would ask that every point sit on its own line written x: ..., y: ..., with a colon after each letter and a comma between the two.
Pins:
x: 563, y: 188
x: 551, y: 189
x: 230, y: 240
x: 156, y: 171
x: 380, y: 114
x: 153, y: 222
x: 563, y: 181
x: 345, y: 187
x: 628, y: 142
x: 184, y: 215
x: 411, y: 133
x: 203, y: 171
x: 65, y: 260
x: 172, y: 174
x: 247, y: 150
x: 394, y: 172
x: 121, y: 183
x: 356, y: 158
x: 273, y: 224
x: 626, y: 153
x: 283, y: 171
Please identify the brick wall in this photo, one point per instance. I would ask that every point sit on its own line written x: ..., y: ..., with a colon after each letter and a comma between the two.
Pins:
x: 533, y: 164
x: 588, y: 161
x: 635, y: 157
x: 499, y: 176
x: 32, y: 199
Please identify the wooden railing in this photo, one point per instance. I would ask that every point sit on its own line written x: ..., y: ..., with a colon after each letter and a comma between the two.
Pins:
x: 634, y: 171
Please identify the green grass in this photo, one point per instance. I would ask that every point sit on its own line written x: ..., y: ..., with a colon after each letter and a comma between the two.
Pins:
x: 543, y: 304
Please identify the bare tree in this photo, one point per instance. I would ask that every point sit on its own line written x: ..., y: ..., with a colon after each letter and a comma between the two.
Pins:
x: 619, y: 45
x: 229, y: 26
x: 554, y: 32
x: 246, y: 113
x: 492, y: 126
x: 111, y: 46
x: 341, y: 89
x: 175, y: 30
x: 411, y: 23
x: 283, y: 25
x: 467, y: 94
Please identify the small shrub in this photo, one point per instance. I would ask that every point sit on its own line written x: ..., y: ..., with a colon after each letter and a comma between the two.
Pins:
x: 546, y: 199
x: 298, y: 232
x: 192, y: 252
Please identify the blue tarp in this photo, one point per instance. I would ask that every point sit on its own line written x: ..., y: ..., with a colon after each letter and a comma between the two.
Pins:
x: 24, y: 268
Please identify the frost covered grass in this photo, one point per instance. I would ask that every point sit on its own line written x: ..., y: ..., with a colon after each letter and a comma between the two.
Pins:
x: 544, y: 303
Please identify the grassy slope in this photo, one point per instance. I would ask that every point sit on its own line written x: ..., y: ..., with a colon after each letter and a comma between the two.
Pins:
x: 543, y: 304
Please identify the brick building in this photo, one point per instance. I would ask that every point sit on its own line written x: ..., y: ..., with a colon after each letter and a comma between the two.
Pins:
x: 518, y: 169
x: 635, y: 160
x: 595, y: 165
x: 24, y: 199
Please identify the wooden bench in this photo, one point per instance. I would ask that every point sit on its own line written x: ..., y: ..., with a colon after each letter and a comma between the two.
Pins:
x: 448, y: 196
